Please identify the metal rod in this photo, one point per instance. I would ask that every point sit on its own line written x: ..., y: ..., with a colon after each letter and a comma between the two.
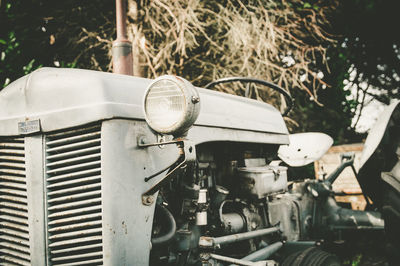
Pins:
x: 347, y: 160
x: 264, y: 253
x: 122, y: 47
x: 120, y: 8
x: 147, y: 179
x: 216, y: 241
x: 244, y: 236
x: 301, y: 243
x: 155, y: 187
x: 236, y: 261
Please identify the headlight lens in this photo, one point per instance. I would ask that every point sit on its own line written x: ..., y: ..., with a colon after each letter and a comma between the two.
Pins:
x: 168, y: 105
x: 165, y: 104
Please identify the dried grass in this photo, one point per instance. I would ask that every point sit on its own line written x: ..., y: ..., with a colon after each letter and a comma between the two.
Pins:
x: 279, y: 41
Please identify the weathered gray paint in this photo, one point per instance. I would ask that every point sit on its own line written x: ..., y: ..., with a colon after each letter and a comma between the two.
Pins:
x: 34, y: 161
x: 62, y: 98
x: 127, y: 222
x: 57, y: 99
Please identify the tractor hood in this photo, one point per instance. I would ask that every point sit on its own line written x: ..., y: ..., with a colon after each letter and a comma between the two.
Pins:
x: 63, y: 98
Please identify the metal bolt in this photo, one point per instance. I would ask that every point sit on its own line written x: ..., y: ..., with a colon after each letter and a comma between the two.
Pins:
x: 195, y: 99
x: 253, y: 225
x: 147, y: 200
x: 142, y: 140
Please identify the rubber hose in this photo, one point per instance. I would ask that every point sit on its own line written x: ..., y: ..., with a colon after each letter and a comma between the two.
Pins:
x: 171, y: 224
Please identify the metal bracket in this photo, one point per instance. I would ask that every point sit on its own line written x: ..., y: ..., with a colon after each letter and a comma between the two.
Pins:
x: 142, y: 142
x: 187, y: 152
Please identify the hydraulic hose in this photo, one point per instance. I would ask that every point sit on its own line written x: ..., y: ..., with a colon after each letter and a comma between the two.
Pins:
x: 170, y: 224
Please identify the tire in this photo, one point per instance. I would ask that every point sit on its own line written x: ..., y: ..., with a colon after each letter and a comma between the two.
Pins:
x: 312, y: 257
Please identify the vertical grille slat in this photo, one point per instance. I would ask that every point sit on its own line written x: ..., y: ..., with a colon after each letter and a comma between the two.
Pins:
x: 14, y: 226
x: 73, y: 175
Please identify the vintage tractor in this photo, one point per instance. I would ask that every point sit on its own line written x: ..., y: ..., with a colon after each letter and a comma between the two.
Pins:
x: 106, y: 169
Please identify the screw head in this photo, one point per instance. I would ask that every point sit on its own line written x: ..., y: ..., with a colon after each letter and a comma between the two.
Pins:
x: 195, y: 99
x: 147, y: 200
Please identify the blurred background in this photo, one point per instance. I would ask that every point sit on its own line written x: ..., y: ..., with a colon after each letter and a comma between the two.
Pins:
x: 338, y: 58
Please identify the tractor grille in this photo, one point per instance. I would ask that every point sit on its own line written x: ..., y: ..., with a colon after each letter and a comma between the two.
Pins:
x: 74, y: 197
x: 14, y: 230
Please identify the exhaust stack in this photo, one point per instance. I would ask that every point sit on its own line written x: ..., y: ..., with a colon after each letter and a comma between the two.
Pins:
x: 122, y: 47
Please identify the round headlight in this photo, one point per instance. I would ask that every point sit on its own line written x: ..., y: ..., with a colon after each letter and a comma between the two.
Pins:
x: 171, y: 105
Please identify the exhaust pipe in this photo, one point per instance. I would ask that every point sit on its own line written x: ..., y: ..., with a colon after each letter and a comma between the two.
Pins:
x: 122, y: 47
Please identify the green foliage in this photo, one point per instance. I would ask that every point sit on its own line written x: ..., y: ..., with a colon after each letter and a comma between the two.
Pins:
x: 49, y: 33
x: 357, y: 260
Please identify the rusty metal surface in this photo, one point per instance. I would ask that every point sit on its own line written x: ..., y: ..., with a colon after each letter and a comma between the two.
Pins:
x: 14, y: 224
x: 122, y: 57
x: 122, y: 47
x: 74, y: 201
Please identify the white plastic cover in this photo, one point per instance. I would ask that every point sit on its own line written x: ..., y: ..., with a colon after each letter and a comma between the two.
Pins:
x: 305, y: 148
